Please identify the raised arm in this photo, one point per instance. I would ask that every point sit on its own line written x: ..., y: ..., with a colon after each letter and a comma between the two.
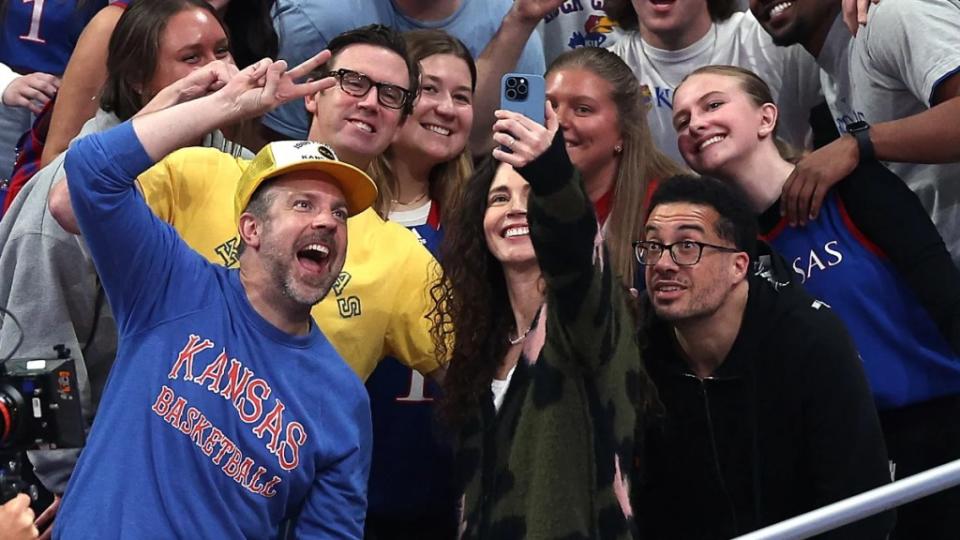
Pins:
x: 926, y: 65
x: 582, y: 289
x: 131, y: 248
x: 197, y: 83
x: 499, y: 57
x: 86, y: 72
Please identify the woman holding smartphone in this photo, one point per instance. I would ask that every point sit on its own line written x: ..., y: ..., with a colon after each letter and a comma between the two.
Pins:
x: 602, y: 111
x: 545, y: 386
x: 872, y: 255
x: 412, y: 491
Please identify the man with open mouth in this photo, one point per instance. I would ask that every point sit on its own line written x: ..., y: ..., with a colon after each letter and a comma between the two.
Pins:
x: 227, y: 409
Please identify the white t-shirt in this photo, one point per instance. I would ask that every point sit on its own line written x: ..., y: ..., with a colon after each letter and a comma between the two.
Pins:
x: 895, y: 64
x: 577, y: 24
x: 791, y: 73
x: 413, y: 217
x: 499, y: 388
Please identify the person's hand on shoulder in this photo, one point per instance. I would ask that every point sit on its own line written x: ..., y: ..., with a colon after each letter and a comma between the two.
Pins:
x: 525, y: 139
x: 16, y: 519
x: 814, y: 175
x: 31, y: 91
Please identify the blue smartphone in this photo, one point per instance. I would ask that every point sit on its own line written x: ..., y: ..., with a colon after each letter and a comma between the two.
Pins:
x: 523, y: 93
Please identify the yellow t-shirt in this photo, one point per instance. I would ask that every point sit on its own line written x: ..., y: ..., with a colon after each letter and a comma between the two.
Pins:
x: 379, y: 304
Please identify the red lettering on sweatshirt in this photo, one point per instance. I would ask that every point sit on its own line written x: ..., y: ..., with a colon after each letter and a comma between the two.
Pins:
x: 186, y: 356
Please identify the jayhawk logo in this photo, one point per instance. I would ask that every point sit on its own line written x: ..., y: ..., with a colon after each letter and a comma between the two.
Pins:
x: 595, y: 30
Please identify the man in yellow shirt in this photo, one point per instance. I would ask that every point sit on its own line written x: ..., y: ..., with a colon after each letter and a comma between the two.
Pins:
x: 380, y: 301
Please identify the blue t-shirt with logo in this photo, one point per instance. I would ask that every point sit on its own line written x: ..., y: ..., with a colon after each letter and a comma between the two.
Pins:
x: 906, y: 358
x: 214, y: 423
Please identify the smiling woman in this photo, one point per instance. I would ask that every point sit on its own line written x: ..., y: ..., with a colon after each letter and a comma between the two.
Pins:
x: 423, y: 169
x: 412, y: 492
x: 601, y: 109
x: 545, y: 387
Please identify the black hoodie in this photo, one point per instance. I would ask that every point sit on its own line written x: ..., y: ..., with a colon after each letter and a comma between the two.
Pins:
x: 785, y: 425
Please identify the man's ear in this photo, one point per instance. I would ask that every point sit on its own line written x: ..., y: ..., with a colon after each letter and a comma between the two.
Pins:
x: 768, y: 119
x: 310, y: 101
x: 741, y: 266
x: 250, y: 230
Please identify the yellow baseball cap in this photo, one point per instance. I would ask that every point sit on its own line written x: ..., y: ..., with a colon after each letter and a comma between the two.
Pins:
x: 284, y: 157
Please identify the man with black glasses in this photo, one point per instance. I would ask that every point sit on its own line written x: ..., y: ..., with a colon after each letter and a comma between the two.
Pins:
x: 767, y: 412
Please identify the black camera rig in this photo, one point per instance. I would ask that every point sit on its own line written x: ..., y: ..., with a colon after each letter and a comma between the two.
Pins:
x: 39, y: 409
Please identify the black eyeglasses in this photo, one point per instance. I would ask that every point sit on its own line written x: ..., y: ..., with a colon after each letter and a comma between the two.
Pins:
x: 357, y: 85
x: 684, y: 252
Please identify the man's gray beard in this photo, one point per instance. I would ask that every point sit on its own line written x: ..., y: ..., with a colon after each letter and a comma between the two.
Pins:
x: 288, y: 289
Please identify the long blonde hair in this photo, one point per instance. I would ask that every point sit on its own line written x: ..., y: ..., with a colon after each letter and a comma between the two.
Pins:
x: 447, y: 178
x: 640, y: 160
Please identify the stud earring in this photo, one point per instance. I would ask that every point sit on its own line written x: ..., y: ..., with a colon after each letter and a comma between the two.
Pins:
x: 617, y: 149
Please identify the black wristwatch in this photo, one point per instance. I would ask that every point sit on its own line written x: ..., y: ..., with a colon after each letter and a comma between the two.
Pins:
x: 861, y: 131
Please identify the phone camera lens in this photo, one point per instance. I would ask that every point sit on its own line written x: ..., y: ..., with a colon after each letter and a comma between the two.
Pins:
x: 522, y: 89
x: 511, y: 82
x: 511, y: 94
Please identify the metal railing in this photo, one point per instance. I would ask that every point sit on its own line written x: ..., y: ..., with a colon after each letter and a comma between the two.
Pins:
x: 863, y: 505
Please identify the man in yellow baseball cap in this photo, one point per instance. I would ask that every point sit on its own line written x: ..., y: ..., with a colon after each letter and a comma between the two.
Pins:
x: 222, y: 380
x: 292, y: 204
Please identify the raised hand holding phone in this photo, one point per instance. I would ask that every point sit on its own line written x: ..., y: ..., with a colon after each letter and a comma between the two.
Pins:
x: 525, y: 94
x: 525, y: 138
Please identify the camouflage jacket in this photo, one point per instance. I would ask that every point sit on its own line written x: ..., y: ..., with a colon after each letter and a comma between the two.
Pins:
x: 552, y: 463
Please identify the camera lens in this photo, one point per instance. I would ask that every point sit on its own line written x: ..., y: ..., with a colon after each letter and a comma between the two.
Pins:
x: 511, y: 82
x: 522, y: 90
x: 11, y: 403
x: 511, y: 94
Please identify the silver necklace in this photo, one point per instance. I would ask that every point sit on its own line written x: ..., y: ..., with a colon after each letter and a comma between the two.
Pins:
x: 519, y: 339
x: 653, y: 65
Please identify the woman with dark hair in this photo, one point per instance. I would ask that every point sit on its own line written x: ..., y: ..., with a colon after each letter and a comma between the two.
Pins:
x: 86, y: 73
x: 133, y: 82
x: 545, y: 387
x: 601, y: 108
x: 412, y: 491
x: 85, y: 77
x: 46, y: 275
x: 36, y: 40
x: 872, y: 254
